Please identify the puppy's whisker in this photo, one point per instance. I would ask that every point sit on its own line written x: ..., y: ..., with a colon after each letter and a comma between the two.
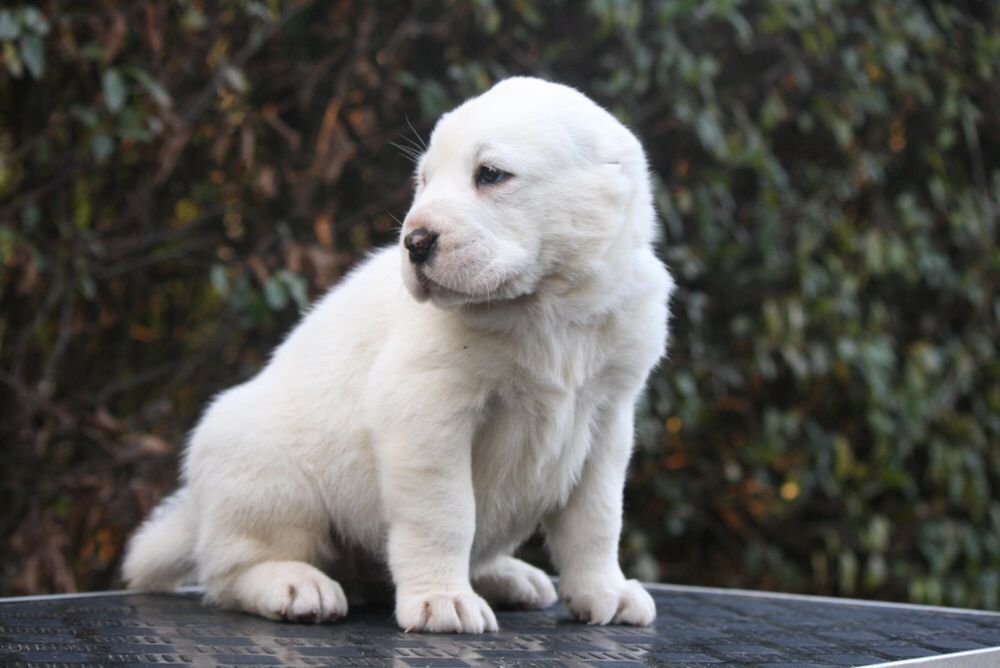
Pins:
x: 417, y: 144
x: 411, y: 144
x: 420, y: 140
x: 410, y: 152
x: 399, y: 223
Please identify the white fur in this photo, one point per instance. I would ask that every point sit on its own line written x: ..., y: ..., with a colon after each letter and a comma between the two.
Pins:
x: 436, y: 418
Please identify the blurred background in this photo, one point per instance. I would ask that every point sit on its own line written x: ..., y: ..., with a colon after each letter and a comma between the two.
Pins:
x: 178, y: 180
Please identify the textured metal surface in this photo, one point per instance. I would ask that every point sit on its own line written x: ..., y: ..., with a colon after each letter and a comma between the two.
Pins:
x: 694, y: 628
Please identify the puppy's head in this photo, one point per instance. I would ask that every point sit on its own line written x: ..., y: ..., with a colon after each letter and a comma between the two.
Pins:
x: 527, y: 185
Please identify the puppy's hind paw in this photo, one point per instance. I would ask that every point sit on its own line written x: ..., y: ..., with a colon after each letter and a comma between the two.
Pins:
x: 510, y: 582
x: 292, y: 591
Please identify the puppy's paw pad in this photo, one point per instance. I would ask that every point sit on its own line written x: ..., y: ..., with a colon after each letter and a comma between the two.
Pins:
x: 445, y: 612
x: 511, y: 582
x: 619, y: 603
x: 298, y: 595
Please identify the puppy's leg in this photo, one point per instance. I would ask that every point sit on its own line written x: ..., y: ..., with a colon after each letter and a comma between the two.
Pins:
x: 261, y: 560
x: 583, y: 535
x: 510, y: 582
x: 429, y: 501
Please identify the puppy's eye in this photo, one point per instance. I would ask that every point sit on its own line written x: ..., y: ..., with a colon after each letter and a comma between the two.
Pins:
x: 488, y: 176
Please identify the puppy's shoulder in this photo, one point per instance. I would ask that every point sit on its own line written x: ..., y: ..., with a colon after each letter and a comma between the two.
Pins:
x: 636, y: 331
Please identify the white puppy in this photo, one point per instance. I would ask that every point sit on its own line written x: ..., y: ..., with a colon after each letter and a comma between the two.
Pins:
x: 450, y: 396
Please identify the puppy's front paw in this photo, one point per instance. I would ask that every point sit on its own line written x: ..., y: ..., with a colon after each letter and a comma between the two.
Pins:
x: 445, y: 612
x: 615, y: 602
x: 292, y: 591
x: 511, y: 582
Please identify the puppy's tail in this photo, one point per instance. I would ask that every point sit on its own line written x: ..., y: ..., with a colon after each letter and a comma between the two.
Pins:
x: 160, y: 555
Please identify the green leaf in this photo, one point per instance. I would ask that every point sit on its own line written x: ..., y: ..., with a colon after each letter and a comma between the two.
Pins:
x: 275, y: 294
x: 82, y: 204
x: 490, y: 18
x: 296, y: 287
x: 33, y: 55
x: 113, y: 88
x: 194, y: 19
x: 12, y: 60
x: 151, y: 86
x: 219, y: 280
x: 10, y: 28
x: 101, y: 147
x: 744, y: 32
x: 33, y: 19
x: 235, y: 78
x: 710, y: 133
x: 87, y: 285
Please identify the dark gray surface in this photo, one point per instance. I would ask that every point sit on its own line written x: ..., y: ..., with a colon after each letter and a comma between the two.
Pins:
x: 694, y: 628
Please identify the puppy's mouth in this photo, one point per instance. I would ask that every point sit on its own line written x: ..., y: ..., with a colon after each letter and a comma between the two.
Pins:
x: 439, y: 291
x: 448, y: 296
x: 426, y: 285
x: 422, y: 278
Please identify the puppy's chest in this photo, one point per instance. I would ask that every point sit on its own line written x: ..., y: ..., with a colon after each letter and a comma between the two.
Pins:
x: 536, y: 433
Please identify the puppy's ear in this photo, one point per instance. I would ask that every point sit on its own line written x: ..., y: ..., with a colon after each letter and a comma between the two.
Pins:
x: 614, y: 173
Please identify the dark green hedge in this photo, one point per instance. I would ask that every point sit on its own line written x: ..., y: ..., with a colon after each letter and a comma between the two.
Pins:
x: 177, y: 180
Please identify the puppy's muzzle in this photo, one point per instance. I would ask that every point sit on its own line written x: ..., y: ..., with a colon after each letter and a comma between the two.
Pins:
x: 420, y: 243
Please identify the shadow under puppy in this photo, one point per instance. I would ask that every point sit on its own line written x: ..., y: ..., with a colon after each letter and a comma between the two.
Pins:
x: 452, y: 394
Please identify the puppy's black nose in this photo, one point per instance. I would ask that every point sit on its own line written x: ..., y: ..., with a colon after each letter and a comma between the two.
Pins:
x: 420, y: 242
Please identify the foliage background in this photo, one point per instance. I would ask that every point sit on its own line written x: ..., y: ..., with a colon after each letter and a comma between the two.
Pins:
x: 178, y: 179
